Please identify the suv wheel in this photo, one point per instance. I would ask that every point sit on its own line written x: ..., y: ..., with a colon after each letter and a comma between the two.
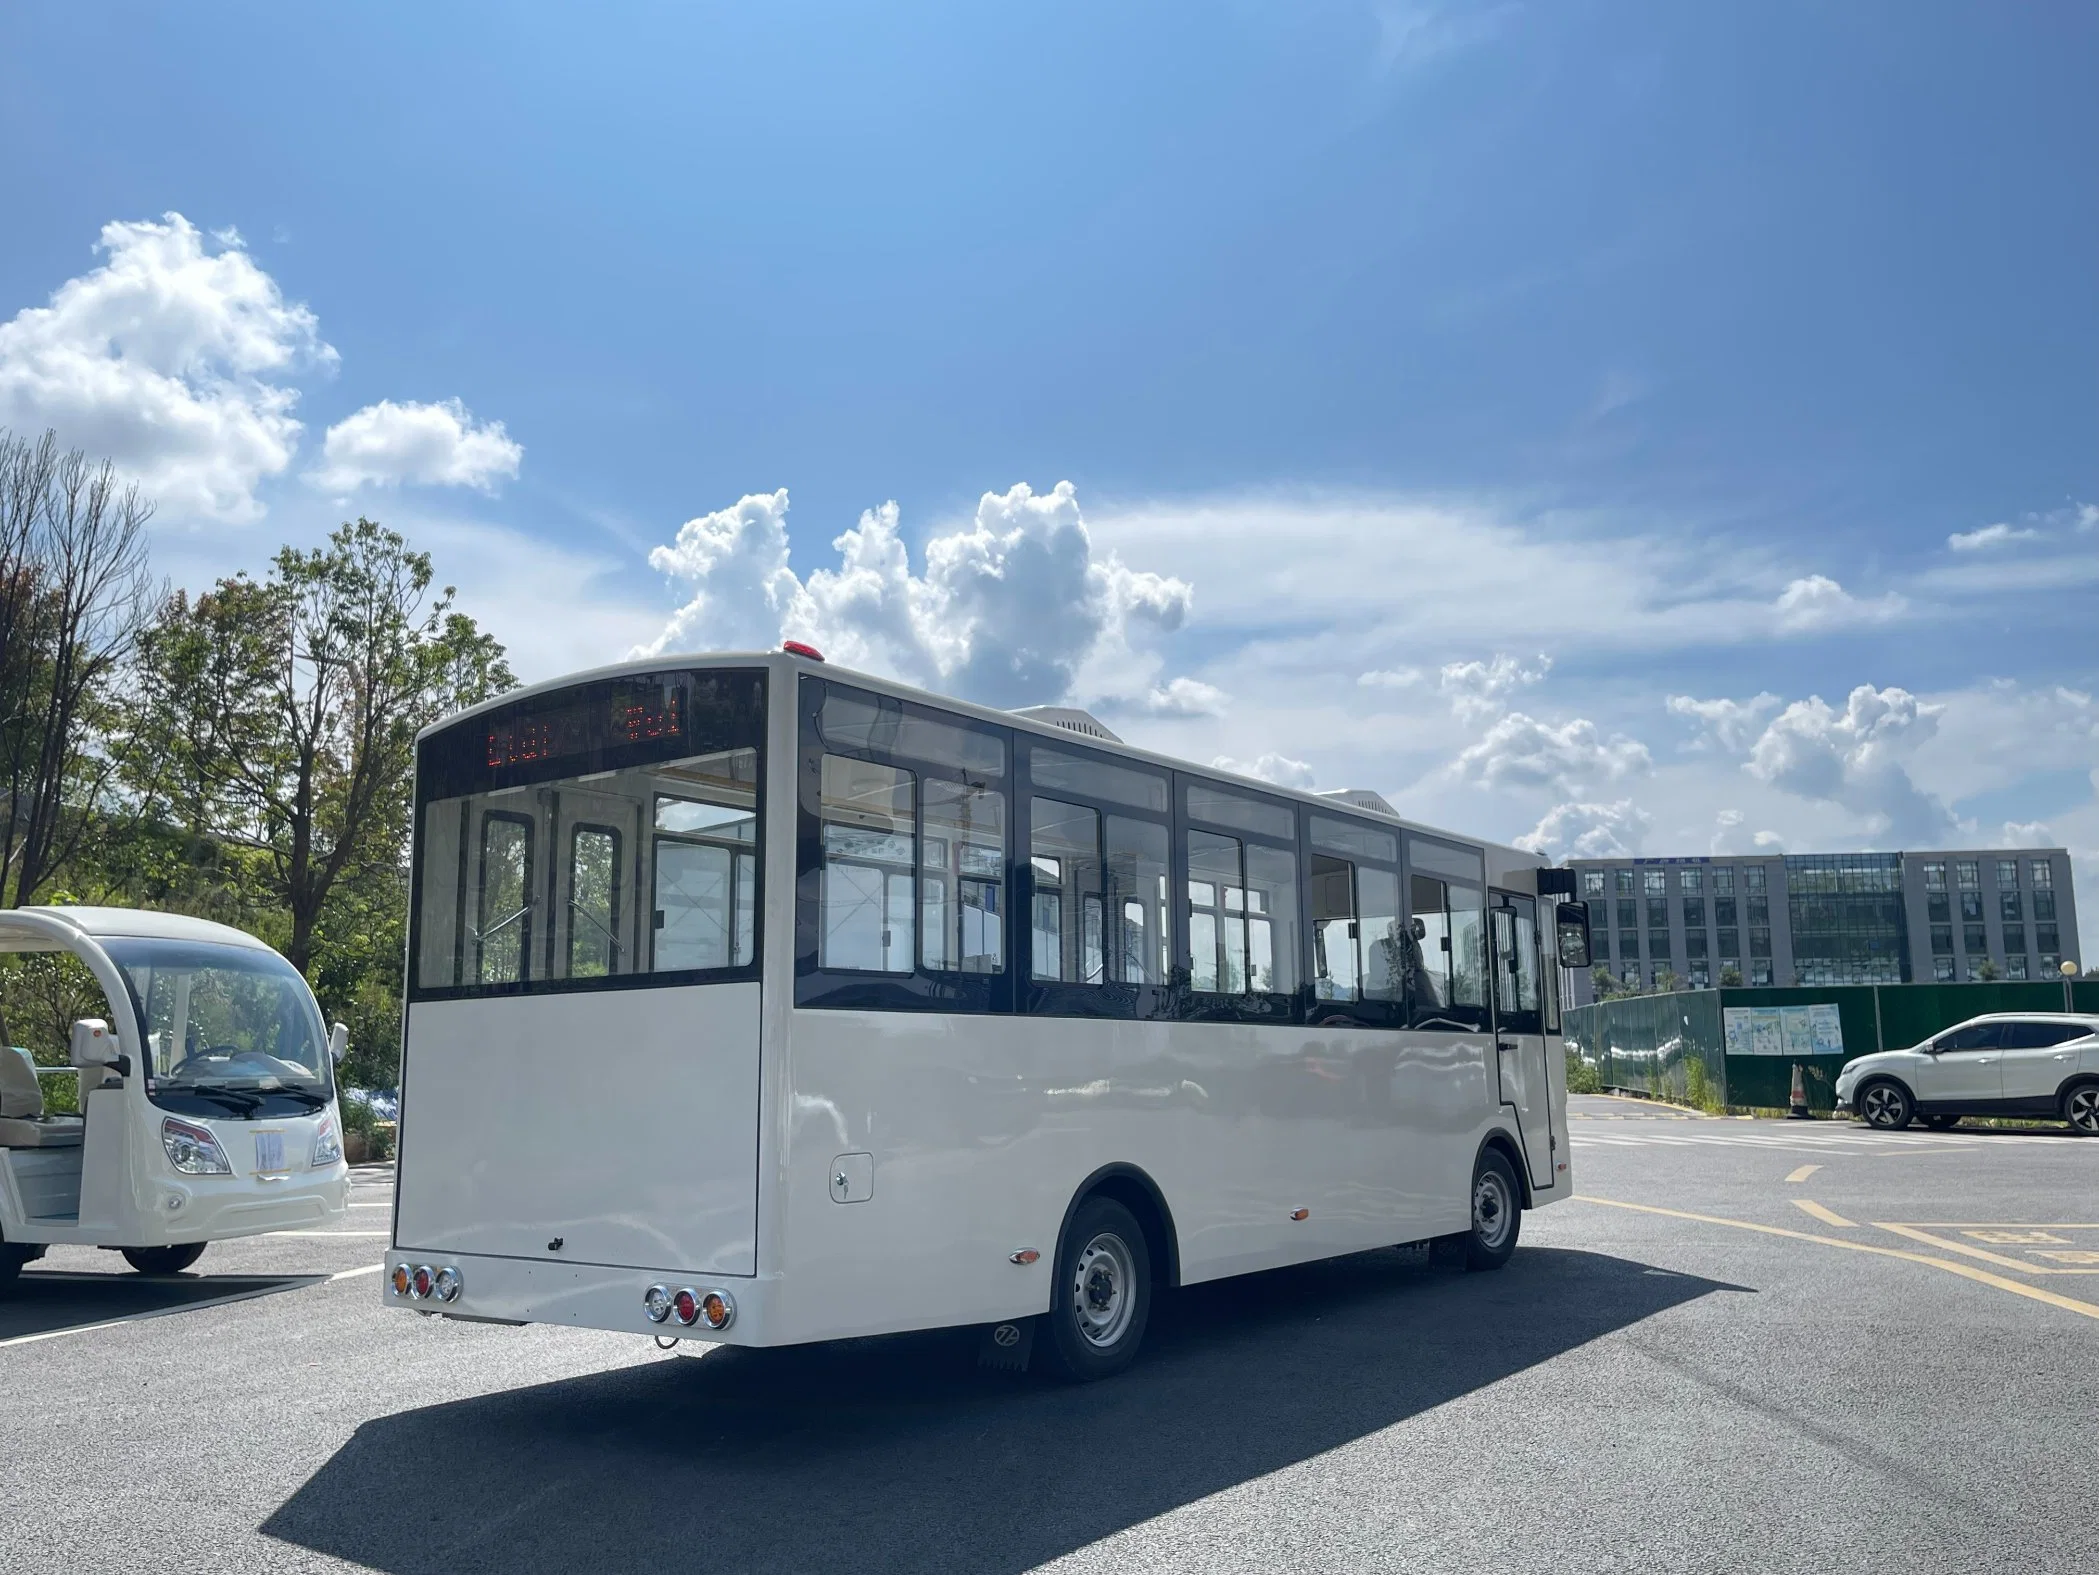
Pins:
x: 1886, y: 1105
x: 2081, y: 1109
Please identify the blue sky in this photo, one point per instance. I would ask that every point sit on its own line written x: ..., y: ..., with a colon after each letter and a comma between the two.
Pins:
x: 1557, y: 417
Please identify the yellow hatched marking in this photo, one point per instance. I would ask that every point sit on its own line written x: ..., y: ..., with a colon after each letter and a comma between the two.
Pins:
x: 1826, y: 1216
x: 1917, y: 1233
x: 1803, y: 1172
x: 1965, y: 1271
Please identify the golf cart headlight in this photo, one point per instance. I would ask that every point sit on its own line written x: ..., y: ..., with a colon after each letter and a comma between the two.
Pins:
x: 193, y: 1150
x: 327, y: 1145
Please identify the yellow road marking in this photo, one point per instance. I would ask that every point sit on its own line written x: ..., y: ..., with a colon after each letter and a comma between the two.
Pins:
x: 1981, y: 1276
x: 1803, y: 1172
x: 1826, y: 1216
x: 1915, y: 1233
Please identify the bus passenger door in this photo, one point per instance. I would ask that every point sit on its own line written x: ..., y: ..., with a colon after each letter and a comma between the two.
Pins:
x: 594, y: 864
x: 1519, y: 1029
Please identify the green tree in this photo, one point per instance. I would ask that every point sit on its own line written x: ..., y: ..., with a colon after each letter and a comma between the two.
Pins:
x: 1666, y: 981
x: 1730, y: 978
x: 1987, y: 971
x: 278, y: 716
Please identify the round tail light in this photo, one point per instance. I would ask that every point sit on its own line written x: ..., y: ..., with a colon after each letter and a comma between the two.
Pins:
x: 448, y: 1284
x: 686, y: 1307
x: 402, y: 1284
x: 421, y: 1281
x: 656, y: 1302
x: 717, y: 1309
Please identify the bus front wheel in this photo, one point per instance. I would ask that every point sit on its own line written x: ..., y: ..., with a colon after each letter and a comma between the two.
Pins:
x: 164, y: 1260
x: 1102, y: 1294
x: 1497, y: 1218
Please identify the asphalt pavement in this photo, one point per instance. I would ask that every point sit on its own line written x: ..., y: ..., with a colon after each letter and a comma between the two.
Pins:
x: 1747, y: 1345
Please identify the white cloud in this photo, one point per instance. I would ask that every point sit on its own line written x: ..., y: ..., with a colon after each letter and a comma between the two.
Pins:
x: 1997, y: 535
x: 2026, y: 834
x: 1855, y: 758
x: 1279, y: 769
x: 1520, y: 751
x: 1588, y: 831
x: 1185, y: 697
x: 437, y: 445
x: 1009, y: 610
x: 1818, y: 603
x: 1733, y: 724
x: 1391, y: 678
x: 168, y: 359
x: 1478, y: 690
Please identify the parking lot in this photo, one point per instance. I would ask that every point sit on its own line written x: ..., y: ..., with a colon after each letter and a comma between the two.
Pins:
x: 1769, y: 1345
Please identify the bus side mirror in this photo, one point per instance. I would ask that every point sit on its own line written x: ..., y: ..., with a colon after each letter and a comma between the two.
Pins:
x: 1571, y: 919
x: 338, y: 1042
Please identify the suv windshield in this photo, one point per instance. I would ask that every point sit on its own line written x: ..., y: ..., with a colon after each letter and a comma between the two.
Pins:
x: 229, y: 1030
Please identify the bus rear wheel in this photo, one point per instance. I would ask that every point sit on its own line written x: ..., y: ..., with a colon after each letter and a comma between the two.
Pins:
x: 164, y: 1260
x: 1101, y: 1296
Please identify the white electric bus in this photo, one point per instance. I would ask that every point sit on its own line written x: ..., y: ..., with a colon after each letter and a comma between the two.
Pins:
x: 757, y: 1001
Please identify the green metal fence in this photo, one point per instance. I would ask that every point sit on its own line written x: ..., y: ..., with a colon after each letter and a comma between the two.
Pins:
x: 1739, y: 1047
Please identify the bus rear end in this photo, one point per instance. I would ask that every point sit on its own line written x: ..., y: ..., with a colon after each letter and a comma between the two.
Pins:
x: 581, y: 1072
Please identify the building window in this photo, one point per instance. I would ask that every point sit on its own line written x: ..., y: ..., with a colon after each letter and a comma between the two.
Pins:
x: 1628, y: 913
x: 1968, y: 873
x: 1731, y: 942
x: 1753, y: 879
x: 2050, y: 964
x: 1942, y: 937
x: 1700, y: 979
x: 1656, y: 882
x: 2043, y: 875
x: 1942, y: 969
x: 1694, y: 943
x: 1760, y: 944
x: 1694, y: 913
x: 1658, y: 945
x: 1723, y: 882
x: 1691, y: 880
x: 1938, y: 908
x: 1603, y: 943
x: 1658, y: 913
x: 2015, y: 966
x: 1760, y: 973
x: 1935, y: 875
x: 1592, y: 883
x: 2007, y: 874
x: 2015, y: 939
x: 1628, y: 945
x: 1624, y: 881
x: 1974, y: 941
x: 1971, y: 907
x: 1723, y: 910
x: 2044, y: 905
x: 2047, y: 938
x: 2008, y: 902
x: 1759, y: 911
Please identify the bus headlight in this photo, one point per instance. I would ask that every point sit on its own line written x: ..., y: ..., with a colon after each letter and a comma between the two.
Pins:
x: 192, y: 1149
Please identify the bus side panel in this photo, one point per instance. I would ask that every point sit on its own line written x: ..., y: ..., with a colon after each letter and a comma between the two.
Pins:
x: 614, y: 1127
x: 977, y: 1131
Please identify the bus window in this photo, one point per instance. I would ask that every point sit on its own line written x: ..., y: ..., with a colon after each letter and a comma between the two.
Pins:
x: 1449, y: 921
x: 1384, y: 952
x: 1336, y: 971
x: 1136, y: 894
x: 1242, y: 916
x: 962, y: 912
x: 1271, y: 918
x: 1067, y: 919
x: 594, y: 902
x: 503, y: 910
x: 1093, y: 777
x: 869, y: 815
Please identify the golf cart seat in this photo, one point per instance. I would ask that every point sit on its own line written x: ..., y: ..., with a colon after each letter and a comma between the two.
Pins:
x: 23, y: 1123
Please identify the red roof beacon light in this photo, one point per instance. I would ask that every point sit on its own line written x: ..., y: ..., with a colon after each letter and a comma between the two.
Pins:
x: 798, y: 648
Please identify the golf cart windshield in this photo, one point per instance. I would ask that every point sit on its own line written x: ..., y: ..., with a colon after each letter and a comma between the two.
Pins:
x: 229, y: 1030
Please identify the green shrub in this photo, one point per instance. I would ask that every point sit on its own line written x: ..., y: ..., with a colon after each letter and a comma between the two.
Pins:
x: 1582, y: 1078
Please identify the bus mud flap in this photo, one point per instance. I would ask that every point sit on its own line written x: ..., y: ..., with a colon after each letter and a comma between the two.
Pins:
x: 1007, y: 1345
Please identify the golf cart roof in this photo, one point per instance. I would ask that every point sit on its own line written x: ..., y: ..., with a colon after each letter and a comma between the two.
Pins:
x: 103, y: 923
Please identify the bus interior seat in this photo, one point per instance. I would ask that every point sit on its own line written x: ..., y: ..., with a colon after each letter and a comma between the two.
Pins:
x: 23, y: 1123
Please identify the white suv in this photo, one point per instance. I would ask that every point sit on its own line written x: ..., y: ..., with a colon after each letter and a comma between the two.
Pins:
x: 2043, y: 1064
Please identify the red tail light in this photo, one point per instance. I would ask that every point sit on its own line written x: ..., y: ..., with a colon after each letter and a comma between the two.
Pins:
x: 685, y: 1307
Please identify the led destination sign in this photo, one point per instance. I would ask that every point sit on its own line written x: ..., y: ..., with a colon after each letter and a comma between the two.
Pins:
x: 632, y: 714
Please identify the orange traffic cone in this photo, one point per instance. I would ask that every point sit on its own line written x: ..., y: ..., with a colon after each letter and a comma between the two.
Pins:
x: 1799, y: 1110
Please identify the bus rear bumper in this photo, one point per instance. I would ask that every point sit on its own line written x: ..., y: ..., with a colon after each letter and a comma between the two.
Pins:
x: 582, y: 1296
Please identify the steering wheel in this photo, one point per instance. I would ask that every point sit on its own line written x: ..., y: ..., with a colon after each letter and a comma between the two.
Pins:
x: 208, y: 1053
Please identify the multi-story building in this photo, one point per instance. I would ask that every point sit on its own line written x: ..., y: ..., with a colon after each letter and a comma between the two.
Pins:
x: 1830, y: 918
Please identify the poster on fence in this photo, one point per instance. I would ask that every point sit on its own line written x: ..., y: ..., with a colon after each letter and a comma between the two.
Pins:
x: 1783, y: 1030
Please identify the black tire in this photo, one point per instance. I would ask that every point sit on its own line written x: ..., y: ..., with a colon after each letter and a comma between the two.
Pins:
x: 1886, y: 1105
x: 11, y: 1261
x: 1101, y: 1293
x: 164, y: 1260
x: 1497, y: 1212
x: 1942, y: 1123
x: 2081, y: 1109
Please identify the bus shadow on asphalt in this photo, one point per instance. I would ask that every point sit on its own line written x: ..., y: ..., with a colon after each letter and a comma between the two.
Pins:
x: 899, y: 1453
x: 51, y: 1301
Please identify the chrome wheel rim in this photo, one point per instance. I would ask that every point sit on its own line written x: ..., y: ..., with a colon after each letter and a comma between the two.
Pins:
x: 2084, y: 1110
x: 1103, y: 1294
x: 1883, y: 1105
x: 1491, y: 1214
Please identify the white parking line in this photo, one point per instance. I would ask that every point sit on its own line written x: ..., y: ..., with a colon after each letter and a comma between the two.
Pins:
x: 351, y: 1274
x: 289, y: 1284
x: 379, y: 1234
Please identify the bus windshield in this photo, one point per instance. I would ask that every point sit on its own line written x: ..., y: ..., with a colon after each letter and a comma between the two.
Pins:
x: 591, y: 834
x: 229, y: 1030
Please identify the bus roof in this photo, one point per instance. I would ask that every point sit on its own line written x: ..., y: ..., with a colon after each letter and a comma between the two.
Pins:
x: 787, y: 662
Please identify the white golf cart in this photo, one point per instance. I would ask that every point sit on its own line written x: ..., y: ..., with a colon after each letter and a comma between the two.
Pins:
x: 207, y: 1096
